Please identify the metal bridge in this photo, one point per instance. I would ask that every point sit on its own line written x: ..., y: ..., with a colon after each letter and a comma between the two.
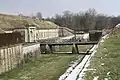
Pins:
x: 49, y: 47
x: 71, y: 43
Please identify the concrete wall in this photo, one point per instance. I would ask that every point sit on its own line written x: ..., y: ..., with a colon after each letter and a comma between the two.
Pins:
x: 23, y: 32
x: 82, y: 37
x: 64, y: 31
x: 33, y: 35
x: 46, y: 34
x: 8, y: 31
x: 28, y: 34
x: 31, y: 52
x: 31, y: 48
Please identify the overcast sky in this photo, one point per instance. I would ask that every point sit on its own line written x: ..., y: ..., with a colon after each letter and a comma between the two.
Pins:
x: 51, y: 7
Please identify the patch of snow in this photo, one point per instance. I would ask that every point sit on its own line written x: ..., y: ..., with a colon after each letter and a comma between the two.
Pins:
x: 105, y: 55
x: 89, y: 69
x: 76, y: 71
x: 102, y: 64
x: 106, y: 79
x: 87, y: 64
x: 70, y: 69
x: 108, y: 73
x: 96, y: 78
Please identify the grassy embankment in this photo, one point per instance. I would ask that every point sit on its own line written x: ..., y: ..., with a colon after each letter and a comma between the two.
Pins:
x: 14, y: 21
x: 105, y: 64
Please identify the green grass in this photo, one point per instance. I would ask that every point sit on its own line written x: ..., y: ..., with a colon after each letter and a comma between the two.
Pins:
x: 107, y: 60
x: 49, y: 67
x: 81, y: 48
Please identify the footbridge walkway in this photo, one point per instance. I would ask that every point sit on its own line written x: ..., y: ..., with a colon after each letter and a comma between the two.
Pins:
x: 49, y: 47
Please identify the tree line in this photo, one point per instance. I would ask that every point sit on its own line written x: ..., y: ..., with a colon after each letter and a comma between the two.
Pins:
x: 88, y: 20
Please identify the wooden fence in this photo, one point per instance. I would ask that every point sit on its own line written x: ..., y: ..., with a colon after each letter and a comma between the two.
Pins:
x: 17, y: 55
x: 10, y: 57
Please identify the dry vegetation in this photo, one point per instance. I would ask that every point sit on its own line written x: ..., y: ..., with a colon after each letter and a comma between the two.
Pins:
x: 12, y: 21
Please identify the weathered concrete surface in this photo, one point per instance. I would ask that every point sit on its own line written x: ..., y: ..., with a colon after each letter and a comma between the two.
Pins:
x: 31, y: 52
x: 31, y: 48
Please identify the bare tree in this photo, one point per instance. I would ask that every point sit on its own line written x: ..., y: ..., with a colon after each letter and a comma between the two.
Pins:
x: 39, y: 15
x: 88, y: 20
x: 90, y: 16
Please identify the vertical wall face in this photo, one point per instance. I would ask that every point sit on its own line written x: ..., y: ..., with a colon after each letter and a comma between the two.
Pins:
x: 32, y: 48
x: 47, y: 33
x: 61, y: 34
x: 64, y: 31
x: 10, y: 57
x: 32, y: 34
x: 23, y: 33
x: 26, y: 35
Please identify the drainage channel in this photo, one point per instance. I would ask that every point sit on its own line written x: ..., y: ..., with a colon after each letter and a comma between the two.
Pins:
x: 74, y: 72
x: 81, y: 74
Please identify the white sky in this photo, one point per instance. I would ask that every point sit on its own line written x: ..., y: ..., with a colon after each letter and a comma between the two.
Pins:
x: 51, y: 7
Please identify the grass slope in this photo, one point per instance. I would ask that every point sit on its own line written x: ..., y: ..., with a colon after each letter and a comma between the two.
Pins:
x: 14, y: 21
x: 106, y: 62
x: 49, y: 67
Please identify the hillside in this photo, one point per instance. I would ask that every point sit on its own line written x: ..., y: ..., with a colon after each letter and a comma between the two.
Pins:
x: 13, y: 21
x: 105, y: 65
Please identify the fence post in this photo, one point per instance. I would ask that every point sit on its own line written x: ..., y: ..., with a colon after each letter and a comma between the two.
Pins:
x: 12, y: 51
x: 74, y: 49
x: 50, y: 46
x: 5, y: 59
x: 8, y: 58
x: 0, y: 62
x: 77, y: 48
